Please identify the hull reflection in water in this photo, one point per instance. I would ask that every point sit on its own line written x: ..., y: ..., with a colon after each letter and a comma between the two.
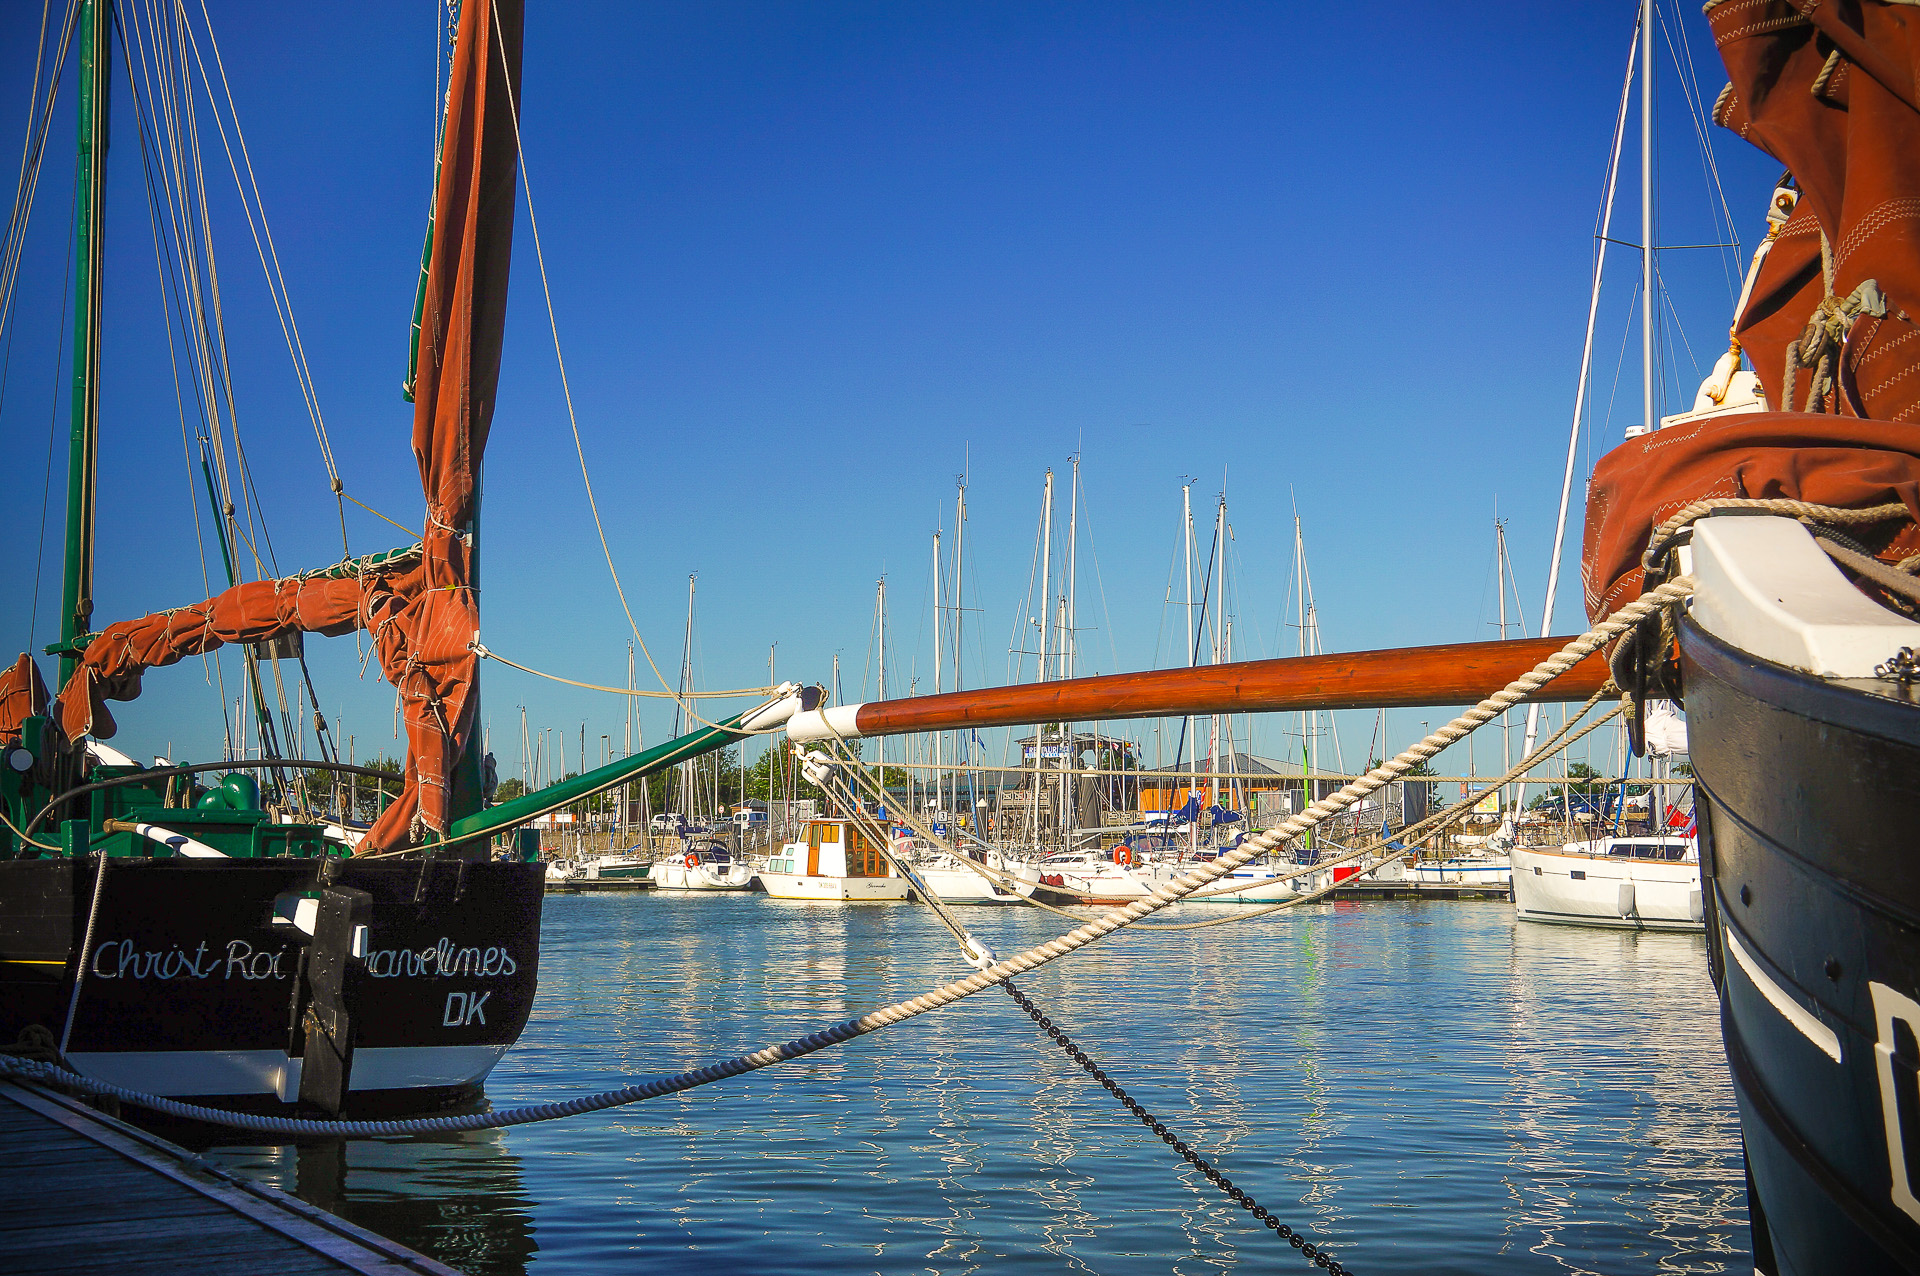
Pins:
x: 1425, y: 1087
x: 459, y: 1198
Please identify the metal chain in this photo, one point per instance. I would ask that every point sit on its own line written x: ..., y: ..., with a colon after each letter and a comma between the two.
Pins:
x: 1308, y: 1250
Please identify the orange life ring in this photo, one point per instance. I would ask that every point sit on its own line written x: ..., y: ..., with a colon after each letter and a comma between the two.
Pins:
x: 693, y: 861
x: 1123, y: 855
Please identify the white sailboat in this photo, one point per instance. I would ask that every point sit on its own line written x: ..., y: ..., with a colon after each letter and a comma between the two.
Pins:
x: 705, y: 864
x: 1652, y: 882
x: 1638, y: 883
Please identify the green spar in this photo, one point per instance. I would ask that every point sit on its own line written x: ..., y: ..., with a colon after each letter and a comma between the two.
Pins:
x: 76, y: 601
x: 640, y: 765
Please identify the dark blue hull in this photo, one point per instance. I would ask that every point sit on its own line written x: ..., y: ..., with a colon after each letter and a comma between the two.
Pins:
x: 1810, y: 846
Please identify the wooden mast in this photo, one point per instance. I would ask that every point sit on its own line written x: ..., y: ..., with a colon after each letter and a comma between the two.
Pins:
x: 1407, y: 677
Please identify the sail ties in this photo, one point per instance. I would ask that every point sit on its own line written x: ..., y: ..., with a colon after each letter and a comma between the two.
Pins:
x: 1821, y: 343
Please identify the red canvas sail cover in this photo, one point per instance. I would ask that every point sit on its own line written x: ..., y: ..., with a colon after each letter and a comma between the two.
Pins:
x: 23, y: 694
x: 455, y: 379
x: 423, y: 619
x: 1830, y: 91
x: 115, y: 660
x: 1829, y: 460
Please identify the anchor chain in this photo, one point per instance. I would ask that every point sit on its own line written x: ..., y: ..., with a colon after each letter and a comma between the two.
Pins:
x: 1308, y: 1250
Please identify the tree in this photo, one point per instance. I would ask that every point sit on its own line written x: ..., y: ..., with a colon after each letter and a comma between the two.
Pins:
x: 508, y: 791
x: 1582, y: 781
x: 768, y: 779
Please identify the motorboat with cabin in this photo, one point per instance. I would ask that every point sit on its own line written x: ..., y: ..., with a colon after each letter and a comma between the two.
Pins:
x: 836, y: 861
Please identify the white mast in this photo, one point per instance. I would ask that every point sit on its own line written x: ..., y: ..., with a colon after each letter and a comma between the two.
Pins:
x: 680, y: 705
x: 1068, y: 644
x: 1068, y: 647
x: 1500, y: 582
x: 1046, y: 626
x: 1646, y: 214
x: 1187, y: 638
x: 938, y: 673
x: 1219, y: 630
x: 880, y: 609
x: 959, y: 534
x: 1046, y: 576
x: 1580, y: 391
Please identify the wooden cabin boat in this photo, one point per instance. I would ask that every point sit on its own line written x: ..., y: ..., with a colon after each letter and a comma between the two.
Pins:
x: 836, y: 861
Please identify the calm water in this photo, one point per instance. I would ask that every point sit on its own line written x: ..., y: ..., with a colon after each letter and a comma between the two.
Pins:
x: 1424, y: 1087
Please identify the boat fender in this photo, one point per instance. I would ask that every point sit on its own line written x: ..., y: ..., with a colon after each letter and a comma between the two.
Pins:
x: 1628, y: 905
x: 1123, y: 856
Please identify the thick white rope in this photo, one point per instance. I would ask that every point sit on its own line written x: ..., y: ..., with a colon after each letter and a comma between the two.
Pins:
x: 899, y: 1012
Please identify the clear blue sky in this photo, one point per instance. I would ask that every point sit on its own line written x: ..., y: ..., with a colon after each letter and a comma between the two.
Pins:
x: 807, y: 260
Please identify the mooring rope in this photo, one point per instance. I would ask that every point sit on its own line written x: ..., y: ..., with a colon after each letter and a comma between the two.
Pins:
x: 899, y: 1012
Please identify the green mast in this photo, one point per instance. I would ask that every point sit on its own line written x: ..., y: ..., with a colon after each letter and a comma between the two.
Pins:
x: 76, y: 599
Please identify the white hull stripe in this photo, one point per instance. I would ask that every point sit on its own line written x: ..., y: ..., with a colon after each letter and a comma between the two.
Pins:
x: 188, y: 1073
x: 1796, y: 1014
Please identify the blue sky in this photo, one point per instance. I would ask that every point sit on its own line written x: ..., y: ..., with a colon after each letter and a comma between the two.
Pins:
x: 810, y: 261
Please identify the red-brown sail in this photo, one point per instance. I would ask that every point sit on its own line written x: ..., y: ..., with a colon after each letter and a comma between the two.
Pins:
x: 455, y: 378
x: 423, y: 618
x: 1833, y: 325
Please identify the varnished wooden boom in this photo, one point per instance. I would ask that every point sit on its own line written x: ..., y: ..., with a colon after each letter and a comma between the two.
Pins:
x: 1406, y: 677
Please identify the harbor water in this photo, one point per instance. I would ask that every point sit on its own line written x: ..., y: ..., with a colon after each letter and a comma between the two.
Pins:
x: 1420, y: 1086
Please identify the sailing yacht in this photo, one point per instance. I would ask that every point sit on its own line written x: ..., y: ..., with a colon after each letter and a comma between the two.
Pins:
x: 706, y: 865
x: 168, y: 930
x: 1639, y: 883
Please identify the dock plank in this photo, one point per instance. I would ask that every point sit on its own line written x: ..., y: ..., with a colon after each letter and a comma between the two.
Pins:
x: 82, y: 1193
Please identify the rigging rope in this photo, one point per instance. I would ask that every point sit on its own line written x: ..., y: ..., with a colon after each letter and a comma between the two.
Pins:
x: 899, y: 1012
x: 479, y: 650
x: 566, y: 386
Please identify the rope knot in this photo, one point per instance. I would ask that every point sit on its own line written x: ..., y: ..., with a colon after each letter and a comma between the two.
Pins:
x: 1820, y: 343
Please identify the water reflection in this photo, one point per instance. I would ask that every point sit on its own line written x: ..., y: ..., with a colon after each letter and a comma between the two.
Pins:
x: 1426, y: 1088
x: 459, y: 1199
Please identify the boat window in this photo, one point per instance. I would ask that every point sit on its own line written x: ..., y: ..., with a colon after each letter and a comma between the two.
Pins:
x: 815, y: 834
x: 858, y: 853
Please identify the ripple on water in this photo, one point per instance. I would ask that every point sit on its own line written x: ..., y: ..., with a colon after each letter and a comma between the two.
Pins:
x: 1424, y: 1087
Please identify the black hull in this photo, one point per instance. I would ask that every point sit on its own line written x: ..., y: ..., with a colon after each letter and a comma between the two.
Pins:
x: 192, y: 990
x: 1810, y: 841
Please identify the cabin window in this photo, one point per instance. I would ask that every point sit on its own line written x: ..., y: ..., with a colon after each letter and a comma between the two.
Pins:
x: 863, y: 859
x: 815, y: 833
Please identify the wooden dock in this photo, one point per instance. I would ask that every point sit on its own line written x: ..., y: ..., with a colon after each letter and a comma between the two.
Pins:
x: 81, y: 1193
x: 1351, y: 890
x: 1421, y: 890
